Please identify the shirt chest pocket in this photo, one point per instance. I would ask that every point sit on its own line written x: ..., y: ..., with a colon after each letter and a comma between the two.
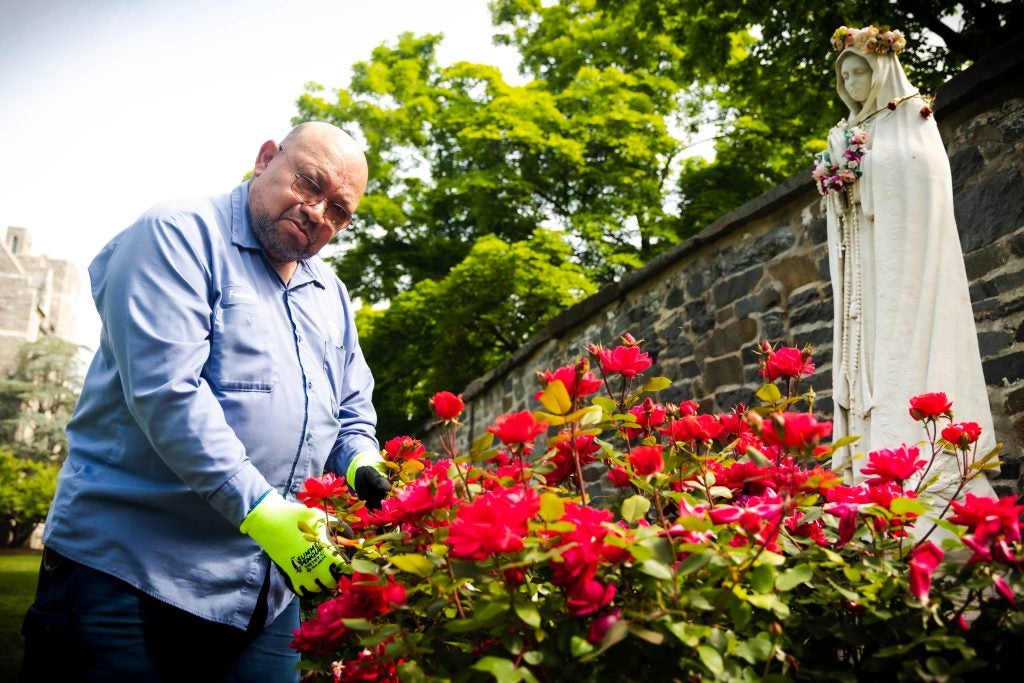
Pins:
x: 240, y: 357
x: 334, y: 367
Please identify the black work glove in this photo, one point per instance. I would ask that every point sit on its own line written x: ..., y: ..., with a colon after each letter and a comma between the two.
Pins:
x: 371, y: 486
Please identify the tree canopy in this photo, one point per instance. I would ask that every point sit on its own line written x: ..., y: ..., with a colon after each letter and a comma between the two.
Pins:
x: 593, y: 143
x: 37, y: 400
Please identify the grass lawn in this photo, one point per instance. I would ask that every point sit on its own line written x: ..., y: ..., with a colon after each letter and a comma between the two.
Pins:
x: 18, y: 571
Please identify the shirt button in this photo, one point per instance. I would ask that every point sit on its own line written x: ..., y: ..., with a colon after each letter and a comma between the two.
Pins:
x: 298, y: 338
x: 309, y: 385
x: 309, y: 438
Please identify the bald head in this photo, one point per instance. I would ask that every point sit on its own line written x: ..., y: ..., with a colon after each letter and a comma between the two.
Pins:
x: 328, y: 138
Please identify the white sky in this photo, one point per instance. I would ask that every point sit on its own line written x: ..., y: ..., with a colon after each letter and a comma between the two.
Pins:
x: 109, y: 106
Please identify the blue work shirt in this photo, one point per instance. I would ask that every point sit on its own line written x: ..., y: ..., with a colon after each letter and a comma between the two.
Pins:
x: 213, y: 382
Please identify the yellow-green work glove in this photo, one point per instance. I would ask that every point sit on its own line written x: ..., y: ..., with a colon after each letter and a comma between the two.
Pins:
x: 296, y: 539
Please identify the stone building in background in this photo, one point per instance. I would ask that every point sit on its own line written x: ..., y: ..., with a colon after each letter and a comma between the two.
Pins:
x: 38, y: 296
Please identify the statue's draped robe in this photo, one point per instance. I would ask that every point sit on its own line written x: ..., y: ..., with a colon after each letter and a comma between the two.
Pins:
x: 903, y: 319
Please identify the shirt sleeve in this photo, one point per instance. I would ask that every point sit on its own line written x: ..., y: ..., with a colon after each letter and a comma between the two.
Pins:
x: 356, y: 414
x: 153, y: 295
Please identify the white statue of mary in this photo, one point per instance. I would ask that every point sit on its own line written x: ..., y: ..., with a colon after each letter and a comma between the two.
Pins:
x: 903, y: 319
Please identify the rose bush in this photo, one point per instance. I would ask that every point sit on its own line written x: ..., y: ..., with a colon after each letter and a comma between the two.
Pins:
x: 712, y: 546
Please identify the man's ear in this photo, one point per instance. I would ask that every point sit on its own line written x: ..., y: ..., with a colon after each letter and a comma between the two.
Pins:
x: 268, y: 150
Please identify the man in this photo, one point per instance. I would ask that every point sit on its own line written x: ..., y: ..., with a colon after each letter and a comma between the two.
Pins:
x: 229, y: 371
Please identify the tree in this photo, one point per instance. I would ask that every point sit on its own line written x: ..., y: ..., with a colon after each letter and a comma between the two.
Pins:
x: 26, y: 490
x: 758, y: 71
x: 457, y: 153
x: 37, y: 400
x: 441, y: 335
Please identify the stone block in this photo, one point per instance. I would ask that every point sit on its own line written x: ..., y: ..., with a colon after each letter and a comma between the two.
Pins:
x: 817, y: 232
x: 815, y: 312
x: 731, y: 337
x: 989, y: 209
x: 761, y: 299
x: 736, y: 287
x: 993, y: 343
x: 1005, y: 368
x: 988, y: 259
x: 1014, y: 401
x: 758, y: 251
x: 794, y: 272
x: 724, y: 371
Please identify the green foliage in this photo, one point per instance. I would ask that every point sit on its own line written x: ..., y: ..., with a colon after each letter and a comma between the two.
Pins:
x: 447, y: 333
x: 37, y: 400
x: 26, y: 489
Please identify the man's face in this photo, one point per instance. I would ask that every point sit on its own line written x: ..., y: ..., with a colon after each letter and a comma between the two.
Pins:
x: 288, y: 229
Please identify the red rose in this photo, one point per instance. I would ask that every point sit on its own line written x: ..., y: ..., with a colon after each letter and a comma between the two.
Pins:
x: 577, y: 380
x: 628, y: 361
x: 895, y: 465
x: 646, y: 460
x: 931, y: 406
x: 925, y: 112
x: 317, y: 490
x: 516, y: 428
x: 602, y: 622
x: 619, y: 477
x: 962, y: 434
x: 446, y: 405
x: 695, y: 428
x: 402, y: 448
x: 923, y: 561
x: 795, y: 430
x: 787, y: 362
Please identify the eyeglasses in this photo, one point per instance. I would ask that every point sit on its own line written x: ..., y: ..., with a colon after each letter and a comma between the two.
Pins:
x: 309, y: 193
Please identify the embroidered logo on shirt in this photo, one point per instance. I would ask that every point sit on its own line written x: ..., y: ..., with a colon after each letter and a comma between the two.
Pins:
x: 239, y: 294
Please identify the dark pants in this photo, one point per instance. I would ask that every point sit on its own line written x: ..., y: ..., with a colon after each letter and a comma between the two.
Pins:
x: 86, y: 625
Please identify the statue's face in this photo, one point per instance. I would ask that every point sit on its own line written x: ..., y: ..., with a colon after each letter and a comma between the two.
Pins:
x: 856, y: 74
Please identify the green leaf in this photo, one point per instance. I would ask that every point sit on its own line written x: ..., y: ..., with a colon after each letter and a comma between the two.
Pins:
x: 357, y: 624
x: 762, y: 578
x: 693, y: 562
x: 755, y: 650
x: 656, y: 384
x: 527, y: 611
x: 793, y: 577
x: 364, y: 566
x: 902, y: 506
x: 482, y: 442
x: 552, y: 507
x: 652, y: 637
x: 712, y: 659
x: 555, y: 398
x: 769, y: 393
x: 580, y: 646
x: 656, y: 569
x: 413, y: 563
x: 591, y: 415
x: 634, y: 508
x: 606, y: 404
x: 504, y: 670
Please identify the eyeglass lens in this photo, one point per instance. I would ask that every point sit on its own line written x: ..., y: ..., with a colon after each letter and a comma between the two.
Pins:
x: 309, y: 193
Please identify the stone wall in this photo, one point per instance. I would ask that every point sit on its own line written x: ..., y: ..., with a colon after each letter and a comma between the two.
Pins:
x: 761, y: 272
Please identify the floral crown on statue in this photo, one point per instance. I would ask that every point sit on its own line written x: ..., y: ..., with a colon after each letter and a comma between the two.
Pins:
x: 869, y: 39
